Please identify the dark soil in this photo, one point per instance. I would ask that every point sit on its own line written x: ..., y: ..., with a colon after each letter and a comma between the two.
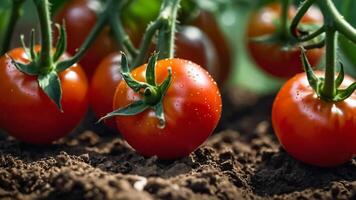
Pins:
x: 242, y: 160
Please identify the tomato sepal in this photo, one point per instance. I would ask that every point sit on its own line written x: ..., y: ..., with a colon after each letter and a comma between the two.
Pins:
x: 51, y: 85
x: 29, y: 69
x: 151, y: 93
x: 132, y: 109
x: 61, y: 45
x: 318, y: 83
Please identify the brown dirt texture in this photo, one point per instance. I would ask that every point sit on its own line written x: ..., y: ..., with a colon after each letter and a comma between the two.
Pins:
x: 242, y: 160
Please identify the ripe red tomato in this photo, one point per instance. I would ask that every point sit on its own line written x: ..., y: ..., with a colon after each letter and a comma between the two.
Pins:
x: 103, y: 86
x: 80, y: 17
x: 272, y: 58
x: 192, y: 44
x: 28, y: 114
x: 192, y: 107
x: 312, y: 130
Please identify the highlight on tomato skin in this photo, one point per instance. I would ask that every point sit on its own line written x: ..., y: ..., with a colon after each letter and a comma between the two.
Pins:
x: 192, y: 108
x: 80, y: 17
x: 312, y: 130
x: 103, y: 86
x: 273, y: 58
x: 28, y: 114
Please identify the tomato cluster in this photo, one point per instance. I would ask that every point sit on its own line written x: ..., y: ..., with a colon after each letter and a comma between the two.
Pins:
x: 52, y: 97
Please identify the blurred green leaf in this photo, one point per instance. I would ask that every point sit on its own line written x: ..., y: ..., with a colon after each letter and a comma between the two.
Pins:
x: 348, y: 48
x: 5, y: 7
x: 56, y: 4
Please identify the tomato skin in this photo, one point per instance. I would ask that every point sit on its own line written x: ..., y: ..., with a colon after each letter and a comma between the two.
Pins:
x: 194, y: 45
x: 272, y: 58
x: 103, y: 86
x: 312, y: 130
x: 192, y: 107
x: 80, y: 18
x: 28, y: 114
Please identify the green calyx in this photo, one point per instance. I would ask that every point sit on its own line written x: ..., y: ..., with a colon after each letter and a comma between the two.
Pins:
x: 47, y: 76
x: 151, y: 93
x: 319, y: 83
x: 46, y: 64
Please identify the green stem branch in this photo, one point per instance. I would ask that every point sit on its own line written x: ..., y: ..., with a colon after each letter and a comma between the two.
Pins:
x: 14, y: 15
x: 299, y: 15
x: 329, y: 88
x: 284, y: 19
x: 146, y: 42
x: 122, y: 36
x: 46, y: 35
x: 166, y: 35
x: 111, y: 7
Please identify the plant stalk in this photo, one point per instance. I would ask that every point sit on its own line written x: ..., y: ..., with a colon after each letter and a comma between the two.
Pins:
x: 166, y: 35
x: 46, y: 35
x: 111, y: 7
x: 284, y: 26
x: 329, y: 88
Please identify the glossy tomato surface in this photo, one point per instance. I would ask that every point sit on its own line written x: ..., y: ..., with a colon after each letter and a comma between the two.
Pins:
x: 272, y: 57
x: 312, y: 130
x: 192, y: 108
x: 103, y: 86
x: 194, y: 45
x: 80, y: 17
x: 28, y: 114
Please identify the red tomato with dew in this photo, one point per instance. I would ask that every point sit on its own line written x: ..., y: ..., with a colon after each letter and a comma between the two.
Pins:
x: 312, y: 130
x: 28, y: 114
x: 192, y: 108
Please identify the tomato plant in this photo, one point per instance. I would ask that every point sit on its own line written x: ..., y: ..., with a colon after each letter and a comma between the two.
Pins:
x: 313, y: 130
x: 103, y: 86
x: 80, y: 17
x: 27, y: 113
x: 279, y: 58
x: 191, y: 105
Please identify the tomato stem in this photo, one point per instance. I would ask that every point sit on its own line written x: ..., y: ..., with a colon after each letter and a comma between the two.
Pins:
x: 14, y: 15
x: 299, y: 15
x: 121, y: 34
x: 333, y: 24
x: 329, y: 88
x: 166, y: 35
x: 46, y: 35
x: 111, y: 7
x: 146, y: 42
x: 284, y: 26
